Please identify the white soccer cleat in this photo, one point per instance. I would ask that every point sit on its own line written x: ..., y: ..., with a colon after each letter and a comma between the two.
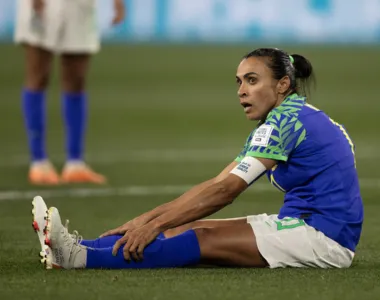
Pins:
x: 39, y: 212
x: 62, y: 249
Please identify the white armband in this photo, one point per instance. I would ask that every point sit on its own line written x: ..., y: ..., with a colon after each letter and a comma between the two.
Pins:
x: 249, y: 169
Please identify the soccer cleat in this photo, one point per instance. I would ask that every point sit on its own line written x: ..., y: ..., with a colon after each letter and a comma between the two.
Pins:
x: 79, y: 172
x: 62, y: 250
x: 39, y: 212
x: 43, y: 173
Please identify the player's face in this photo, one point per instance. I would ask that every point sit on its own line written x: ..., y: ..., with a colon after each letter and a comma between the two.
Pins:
x: 258, y: 90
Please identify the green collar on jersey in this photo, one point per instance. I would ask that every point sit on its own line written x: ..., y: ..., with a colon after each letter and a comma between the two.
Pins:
x: 290, y: 105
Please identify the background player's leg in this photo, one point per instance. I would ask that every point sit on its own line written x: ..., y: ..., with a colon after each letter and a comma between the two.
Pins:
x: 74, y: 70
x: 210, y: 223
x: 37, y: 73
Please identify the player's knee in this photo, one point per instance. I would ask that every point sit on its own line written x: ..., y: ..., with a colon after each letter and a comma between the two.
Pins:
x: 208, y: 242
x: 37, y: 81
x: 202, y: 232
x: 74, y: 84
x: 204, y: 236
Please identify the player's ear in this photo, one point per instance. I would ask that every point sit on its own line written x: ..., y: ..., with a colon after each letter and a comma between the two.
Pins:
x: 283, y: 85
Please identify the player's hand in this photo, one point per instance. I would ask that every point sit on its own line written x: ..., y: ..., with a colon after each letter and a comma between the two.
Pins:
x: 135, y: 242
x: 130, y: 225
x: 119, y: 11
x: 38, y: 6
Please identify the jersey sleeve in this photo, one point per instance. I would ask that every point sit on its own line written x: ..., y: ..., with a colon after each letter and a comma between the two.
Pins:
x: 276, y: 138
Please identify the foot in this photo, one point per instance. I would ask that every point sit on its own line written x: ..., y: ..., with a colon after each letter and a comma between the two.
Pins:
x: 79, y: 172
x: 43, y: 173
x: 61, y: 249
x: 40, y: 216
x: 40, y: 213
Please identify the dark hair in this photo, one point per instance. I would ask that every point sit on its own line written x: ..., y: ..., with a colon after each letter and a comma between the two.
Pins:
x: 300, y: 71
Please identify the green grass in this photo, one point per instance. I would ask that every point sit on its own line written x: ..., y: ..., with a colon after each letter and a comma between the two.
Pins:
x: 161, y: 116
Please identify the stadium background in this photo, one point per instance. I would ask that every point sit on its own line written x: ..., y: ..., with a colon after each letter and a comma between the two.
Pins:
x: 164, y: 115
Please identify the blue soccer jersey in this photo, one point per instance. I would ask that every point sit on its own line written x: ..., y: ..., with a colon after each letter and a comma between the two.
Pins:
x: 316, y: 168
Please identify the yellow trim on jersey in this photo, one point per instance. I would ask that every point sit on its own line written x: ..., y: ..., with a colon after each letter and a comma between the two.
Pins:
x: 312, y: 106
x: 347, y: 137
x: 274, y: 182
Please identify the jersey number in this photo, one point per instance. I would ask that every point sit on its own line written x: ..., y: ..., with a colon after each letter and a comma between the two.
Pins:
x: 289, y: 223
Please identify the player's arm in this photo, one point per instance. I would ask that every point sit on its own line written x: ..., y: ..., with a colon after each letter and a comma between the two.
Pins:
x: 271, y: 142
x: 119, y: 11
x: 147, y: 217
x: 216, y: 195
x: 189, y: 194
x: 158, y: 211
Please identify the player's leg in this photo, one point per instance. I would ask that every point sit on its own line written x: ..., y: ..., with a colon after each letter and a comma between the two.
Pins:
x: 37, y: 36
x: 74, y: 69
x: 220, y: 246
x: 232, y: 245
x: 209, y: 223
x: 104, y: 242
x: 37, y: 72
x: 79, y: 42
x: 109, y: 241
x: 269, y: 241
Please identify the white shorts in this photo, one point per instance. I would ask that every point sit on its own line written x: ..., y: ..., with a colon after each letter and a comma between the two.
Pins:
x: 67, y: 26
x: 290, y: 242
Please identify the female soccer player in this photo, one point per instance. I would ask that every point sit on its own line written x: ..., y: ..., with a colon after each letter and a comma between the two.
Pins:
x: 304, y: 153
x: 67, y: 28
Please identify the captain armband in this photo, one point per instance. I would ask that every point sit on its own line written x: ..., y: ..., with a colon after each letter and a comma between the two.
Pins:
x: 249, y: 169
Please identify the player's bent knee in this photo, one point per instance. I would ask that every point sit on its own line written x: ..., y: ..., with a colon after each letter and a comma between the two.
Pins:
x: 232, y: 246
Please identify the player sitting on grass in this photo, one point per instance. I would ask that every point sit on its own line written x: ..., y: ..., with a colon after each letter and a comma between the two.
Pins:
x: 304, y: 153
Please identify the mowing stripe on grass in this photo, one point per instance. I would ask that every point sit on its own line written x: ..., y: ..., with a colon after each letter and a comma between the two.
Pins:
x: 148, y: 190
x: 166, y: 155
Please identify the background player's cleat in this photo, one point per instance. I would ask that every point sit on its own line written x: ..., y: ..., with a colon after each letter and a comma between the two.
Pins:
x: 79, y: 172
x: 39, y: 212
x: 62, y: 251
x: 43, y: 173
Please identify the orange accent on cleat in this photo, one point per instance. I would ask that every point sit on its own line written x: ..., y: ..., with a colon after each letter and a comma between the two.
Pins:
x: 43, y: 174
x: 47, y: 242
x: 82, y: 174
x: 35, y: 226
x: 56, y: 266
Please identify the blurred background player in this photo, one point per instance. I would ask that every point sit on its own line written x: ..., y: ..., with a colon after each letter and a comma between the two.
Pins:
x: 67, y: 28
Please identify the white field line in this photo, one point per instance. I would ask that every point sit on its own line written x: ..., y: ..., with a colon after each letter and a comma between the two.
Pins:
x: 162, y: 190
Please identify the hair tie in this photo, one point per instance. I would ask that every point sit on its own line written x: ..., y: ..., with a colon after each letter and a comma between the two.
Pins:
x: 291, y: 59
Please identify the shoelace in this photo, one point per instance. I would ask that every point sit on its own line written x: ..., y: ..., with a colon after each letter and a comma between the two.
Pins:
x: 75, y: 235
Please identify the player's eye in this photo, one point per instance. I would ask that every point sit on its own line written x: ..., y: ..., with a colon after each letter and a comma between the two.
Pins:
x: 252, y: 80
x: 238, y: 81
